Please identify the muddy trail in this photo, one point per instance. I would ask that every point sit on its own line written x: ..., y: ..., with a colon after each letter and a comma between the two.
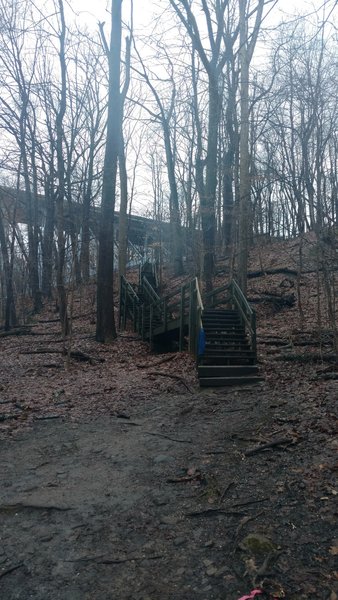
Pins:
x: 121, y: 484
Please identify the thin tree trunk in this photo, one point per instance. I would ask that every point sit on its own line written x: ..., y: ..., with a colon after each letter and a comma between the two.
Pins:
x: 60, y: 197
x: 105, y: 325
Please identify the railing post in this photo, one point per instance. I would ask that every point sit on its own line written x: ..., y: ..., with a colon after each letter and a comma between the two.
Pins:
x: 151, y: 314
x: 254, y: 336
x: 125, y: 308
x: 139, y: 320
x: 134, y: 315
x: 182, y: 304
x: 192, y: 318
x: 165, y: 313
x: 143, y: 322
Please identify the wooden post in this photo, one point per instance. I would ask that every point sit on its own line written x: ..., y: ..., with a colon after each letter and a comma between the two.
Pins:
x: 143, y: 323
x: 125, y: 308
x: 182, y: 303
x: 165, y: 313
x: 139, y: 320
x: 198, y: 317
x: 254, y: 337
x: 134, y: 315
x: 151, y: 315
x: 196, y: 321
x: 192, y: 317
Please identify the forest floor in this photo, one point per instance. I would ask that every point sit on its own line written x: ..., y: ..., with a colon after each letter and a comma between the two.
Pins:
x: 122, y: 479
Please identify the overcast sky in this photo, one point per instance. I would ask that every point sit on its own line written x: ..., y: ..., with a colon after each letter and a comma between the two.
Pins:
x: 144, y: 9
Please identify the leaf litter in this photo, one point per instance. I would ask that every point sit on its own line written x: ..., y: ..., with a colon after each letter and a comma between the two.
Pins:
x: 131, y: 446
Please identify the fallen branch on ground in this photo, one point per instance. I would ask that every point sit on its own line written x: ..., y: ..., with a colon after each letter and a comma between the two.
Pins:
x: 76, y: 354
x: 307, y: 358
x: 10, y: 570
x: 177, y: 377
x: 226, y: 489
x: 155, y: 364
x: 22, y: 506
x: 47, y: 417
x: 8, y: 417
x: 246, y: 520
x: 20, y: 331
x: 184, y: 478
x: 272, y: 444
x: 101, y: 560
x: 167, y: 437
x: 82, y: 356
x: 211, y: 512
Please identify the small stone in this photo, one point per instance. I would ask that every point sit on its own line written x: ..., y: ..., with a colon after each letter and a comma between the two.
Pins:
x: 160, y: 500
x: 207, y: 562
x: 197, y: 533
x: 163, y: 458
x: 180, y: 571
x: 222, y: 571
x: 211, y: 571
x: 209, y: 544
x: 169, y: 520
x: 149, y: 546
x: 179, y: 541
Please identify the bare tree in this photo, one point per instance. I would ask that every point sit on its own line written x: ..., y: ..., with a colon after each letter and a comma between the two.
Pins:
x: 105, y: 326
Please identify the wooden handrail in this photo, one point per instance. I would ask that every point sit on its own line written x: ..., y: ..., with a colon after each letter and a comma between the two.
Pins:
x: 247, y: 313
x: 148, y: 288
x: 156, y: 314
x: 130, y: 289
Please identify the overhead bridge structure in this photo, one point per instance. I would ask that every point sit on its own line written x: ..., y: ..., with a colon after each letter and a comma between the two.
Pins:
x: 142, y: 231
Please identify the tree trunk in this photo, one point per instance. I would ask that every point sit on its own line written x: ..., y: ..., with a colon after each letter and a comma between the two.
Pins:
x: 60, y: 196
x: 123, y: 216
x: 208, y: 200
x: 105, y: 325
x: 10, y: 312
x: 244, y: 176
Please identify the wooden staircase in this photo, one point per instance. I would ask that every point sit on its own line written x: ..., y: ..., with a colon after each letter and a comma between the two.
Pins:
x: 228, y: 357
x: 229, y: 331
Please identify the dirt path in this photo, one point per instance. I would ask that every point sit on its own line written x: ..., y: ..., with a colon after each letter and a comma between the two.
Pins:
x: 118, y: 483
x: 160, y: 505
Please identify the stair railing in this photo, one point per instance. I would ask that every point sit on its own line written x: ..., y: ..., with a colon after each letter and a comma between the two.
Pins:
x: 182, y: 308
x: 152, y: 316
x: 150, y: 296
x: 232, y: 293
x: 247, y: 314
x: 217, y: 296
x: 129, y: 304
x: 195, y: 317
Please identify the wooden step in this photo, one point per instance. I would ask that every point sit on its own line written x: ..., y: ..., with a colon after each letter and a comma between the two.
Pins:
x: 226, y: 341
x: 227, y: 360
x: 220, y: 327
x: 229, y: 351
x: 226, y: 370
x: 219, y: 312
x: 226, y: 381
x: 227, y: 321
x: 229, y: 335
